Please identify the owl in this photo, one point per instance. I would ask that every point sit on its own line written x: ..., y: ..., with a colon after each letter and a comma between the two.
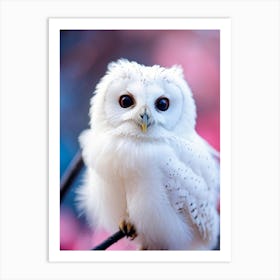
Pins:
x: 148, y: 172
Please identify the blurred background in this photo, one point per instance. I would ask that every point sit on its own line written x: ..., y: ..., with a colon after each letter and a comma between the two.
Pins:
x: 84, y: 55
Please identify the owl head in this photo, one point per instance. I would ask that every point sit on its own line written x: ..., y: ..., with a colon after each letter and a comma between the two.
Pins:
x: 143, y: 101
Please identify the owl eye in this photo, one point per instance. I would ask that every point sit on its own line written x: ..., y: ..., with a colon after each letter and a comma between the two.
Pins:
x: 162, y: 103
x: 126, y: 101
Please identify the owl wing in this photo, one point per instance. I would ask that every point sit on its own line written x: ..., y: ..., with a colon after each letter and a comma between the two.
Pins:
x: 192, y: 184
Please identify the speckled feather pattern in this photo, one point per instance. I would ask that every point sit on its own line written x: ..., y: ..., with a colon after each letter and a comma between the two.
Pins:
x: 165, y: 181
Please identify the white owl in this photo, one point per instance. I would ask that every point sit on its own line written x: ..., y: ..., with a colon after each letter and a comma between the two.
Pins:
x: 148, y: 172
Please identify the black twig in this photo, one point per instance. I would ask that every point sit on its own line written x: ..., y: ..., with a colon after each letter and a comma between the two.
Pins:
x: 109, y: 241
x: 71, y: 172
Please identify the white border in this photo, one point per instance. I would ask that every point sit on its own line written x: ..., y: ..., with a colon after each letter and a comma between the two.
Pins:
x: 222, y: 24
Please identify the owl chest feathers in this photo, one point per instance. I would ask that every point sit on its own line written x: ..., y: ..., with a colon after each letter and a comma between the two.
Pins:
x: 129, y: 161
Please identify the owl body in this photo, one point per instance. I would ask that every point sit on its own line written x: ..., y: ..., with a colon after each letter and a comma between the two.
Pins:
x: 146, y: 164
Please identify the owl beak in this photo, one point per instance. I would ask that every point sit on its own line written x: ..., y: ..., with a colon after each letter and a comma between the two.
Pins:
x: 144, y: 120
x: 144, y: 123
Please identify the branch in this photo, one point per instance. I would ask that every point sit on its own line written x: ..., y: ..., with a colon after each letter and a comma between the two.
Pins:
x: 70, y: 174
x: 109, y: 241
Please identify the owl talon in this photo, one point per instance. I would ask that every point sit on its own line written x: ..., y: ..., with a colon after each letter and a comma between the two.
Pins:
x: 128, y: 229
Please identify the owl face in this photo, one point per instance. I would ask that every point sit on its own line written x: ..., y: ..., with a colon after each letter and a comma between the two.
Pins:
x: 144, y: 101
